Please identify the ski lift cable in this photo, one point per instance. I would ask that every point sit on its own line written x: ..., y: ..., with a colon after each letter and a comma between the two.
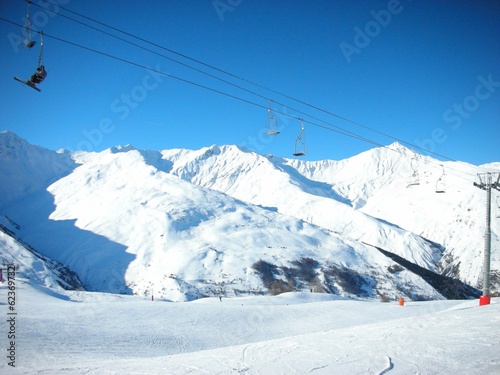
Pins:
x: 148, y: 42
x: 230, y: 74
x: 153, y: 52
x: 342, y: 130
x: 242, y: 79
x: 334, y: 129
x: 147, y: 68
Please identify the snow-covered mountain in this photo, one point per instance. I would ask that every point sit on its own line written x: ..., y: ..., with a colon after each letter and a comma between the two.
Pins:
x: 223, y: 220
x: 27, y: 168
x: 393, y: 184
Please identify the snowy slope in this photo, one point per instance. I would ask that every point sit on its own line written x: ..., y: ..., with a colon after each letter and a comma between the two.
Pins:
x: 273, y: 183
x: 294, y: 333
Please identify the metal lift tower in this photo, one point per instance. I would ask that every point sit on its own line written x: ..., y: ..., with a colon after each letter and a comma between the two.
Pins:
x: 486, y: 183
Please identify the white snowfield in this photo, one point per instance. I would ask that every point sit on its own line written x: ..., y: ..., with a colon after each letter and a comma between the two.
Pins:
x: 293, y: 333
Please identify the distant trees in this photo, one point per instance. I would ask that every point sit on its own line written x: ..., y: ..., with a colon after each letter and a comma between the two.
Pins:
x: 303, y: 274
x: 307, y: 274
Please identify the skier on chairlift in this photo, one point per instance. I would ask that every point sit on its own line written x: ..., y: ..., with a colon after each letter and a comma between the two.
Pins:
x: 39, y: 76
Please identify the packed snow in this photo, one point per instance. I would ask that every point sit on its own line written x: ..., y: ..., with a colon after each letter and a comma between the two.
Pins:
x: 75, y: 332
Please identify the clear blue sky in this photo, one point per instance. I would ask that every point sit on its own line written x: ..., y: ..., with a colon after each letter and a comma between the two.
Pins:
x: 426, y: 72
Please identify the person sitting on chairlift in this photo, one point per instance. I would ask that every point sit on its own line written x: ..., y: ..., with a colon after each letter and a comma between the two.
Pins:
x: 39, y: 76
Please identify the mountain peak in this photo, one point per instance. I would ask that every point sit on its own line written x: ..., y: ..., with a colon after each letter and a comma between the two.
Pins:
x: 7, y: 133
x: 399, y: 148
x: 11, y: 140
x: 28, y: 168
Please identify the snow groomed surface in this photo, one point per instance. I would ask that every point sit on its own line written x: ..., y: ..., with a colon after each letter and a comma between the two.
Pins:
x: 294, y: 333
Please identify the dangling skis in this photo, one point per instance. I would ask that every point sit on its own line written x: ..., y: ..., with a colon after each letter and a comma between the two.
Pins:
x: 28, y: 83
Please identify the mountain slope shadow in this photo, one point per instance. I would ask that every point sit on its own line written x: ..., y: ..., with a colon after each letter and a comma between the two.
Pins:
x: 100, y: 263
x: 448, y: 287
x: 151, y: 157
x: 321, y: 189
x: 155, y: 159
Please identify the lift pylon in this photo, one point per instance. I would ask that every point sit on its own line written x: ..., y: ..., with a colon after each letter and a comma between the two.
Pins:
x: 486, y: 183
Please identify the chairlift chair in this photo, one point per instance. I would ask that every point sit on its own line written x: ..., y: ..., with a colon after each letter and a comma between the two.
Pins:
x: 300, y: 144
x: 29, y: 42
x: 414, y: 177
x: 40, y: 73
x: 498, y: 207
x: 272, y: 122
x: 440, y: 183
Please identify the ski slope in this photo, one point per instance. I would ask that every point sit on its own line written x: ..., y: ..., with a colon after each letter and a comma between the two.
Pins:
x: 61, y: 331
x: 71, y: 332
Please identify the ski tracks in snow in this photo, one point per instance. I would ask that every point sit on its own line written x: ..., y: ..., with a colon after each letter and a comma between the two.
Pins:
x: 257, y: 357
x: 388, y: 368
